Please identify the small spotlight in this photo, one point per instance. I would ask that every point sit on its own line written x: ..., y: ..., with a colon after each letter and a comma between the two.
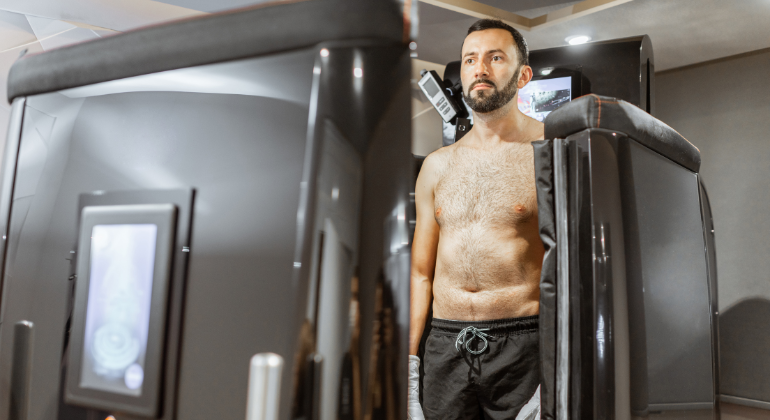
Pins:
x: 577, y: 39
x: 324, y: 52
x: 110, y: 418
x: 358, y: 72
x: 546, y: 71
x: 412, y: 45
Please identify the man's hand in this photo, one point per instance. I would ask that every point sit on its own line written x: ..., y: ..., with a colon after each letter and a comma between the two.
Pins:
x: 414, y: 410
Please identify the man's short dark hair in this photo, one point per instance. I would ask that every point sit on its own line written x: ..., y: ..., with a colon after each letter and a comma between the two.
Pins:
x: 521, y: 44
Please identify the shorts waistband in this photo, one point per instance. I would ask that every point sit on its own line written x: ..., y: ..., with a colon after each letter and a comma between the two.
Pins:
x: 492, y: 327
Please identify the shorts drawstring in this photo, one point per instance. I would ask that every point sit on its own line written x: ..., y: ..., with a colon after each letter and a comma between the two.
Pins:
x: 475, y: 332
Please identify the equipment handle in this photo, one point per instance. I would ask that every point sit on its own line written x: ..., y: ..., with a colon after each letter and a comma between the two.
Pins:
x: 21, y: 370
x: 264, y: 387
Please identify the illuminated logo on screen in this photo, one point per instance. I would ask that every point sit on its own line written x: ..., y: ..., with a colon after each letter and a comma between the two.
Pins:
x: 118, y: 312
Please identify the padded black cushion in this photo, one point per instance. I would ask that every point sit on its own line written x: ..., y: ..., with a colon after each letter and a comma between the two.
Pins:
x: 593, y: 111
x: 452, y: 72
x: 263, y: 29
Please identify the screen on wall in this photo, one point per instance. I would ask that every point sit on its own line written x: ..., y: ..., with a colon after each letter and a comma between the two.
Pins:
x: 539, y: 97
x: 118, y: 312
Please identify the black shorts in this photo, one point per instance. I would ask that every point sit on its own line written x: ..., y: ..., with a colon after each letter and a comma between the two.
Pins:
x: 497, y: 381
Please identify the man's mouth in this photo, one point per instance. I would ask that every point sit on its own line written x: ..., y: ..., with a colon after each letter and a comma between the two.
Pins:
x: 481, y: 85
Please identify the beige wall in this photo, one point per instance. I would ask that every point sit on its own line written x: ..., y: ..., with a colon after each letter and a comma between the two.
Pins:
x: 724, y: 109
x: 426, y: 122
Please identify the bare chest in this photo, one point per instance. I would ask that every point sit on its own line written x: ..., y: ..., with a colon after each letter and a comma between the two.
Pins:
x: 489, y: 188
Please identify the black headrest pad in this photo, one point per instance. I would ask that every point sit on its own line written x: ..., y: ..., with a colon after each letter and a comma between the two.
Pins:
x: 452, y: 72
x: 593, y: 111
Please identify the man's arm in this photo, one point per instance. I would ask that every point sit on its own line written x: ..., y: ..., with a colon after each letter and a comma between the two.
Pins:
x: 424, y: 247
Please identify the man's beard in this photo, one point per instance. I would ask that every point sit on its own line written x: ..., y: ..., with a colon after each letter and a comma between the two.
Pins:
x: 487, y: 102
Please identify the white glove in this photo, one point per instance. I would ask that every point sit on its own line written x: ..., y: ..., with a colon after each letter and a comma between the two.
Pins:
x: 531, y: 410
x: 414, y: 411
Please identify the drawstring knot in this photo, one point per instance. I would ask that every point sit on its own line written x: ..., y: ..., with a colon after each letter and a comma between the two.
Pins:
x: 474, y: 332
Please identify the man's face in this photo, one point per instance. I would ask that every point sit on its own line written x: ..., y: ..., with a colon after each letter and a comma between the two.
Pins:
x: 490, y: 70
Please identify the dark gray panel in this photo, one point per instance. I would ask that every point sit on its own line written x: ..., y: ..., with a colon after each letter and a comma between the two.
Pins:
x: 238, y: 151
x: 670, y: 251
x: 260, y: 165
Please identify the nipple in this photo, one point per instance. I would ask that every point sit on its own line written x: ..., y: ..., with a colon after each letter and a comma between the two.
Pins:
x: 438, y: 212
x: 519, y: 208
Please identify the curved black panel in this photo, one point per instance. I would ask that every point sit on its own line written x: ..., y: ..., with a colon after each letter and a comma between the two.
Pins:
x: 667, y: 242
x: 546, y: 216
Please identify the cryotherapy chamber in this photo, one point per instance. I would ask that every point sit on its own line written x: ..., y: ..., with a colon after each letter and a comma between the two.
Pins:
x: 628, y: 294
x: 628, y: 289
x: 207, y: 219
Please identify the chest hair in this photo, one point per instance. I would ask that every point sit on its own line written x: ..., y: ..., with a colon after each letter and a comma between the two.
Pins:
x: 490, y: 188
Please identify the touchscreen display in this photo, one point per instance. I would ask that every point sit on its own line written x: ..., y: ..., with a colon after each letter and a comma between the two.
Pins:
x: 539, y: 97
x: 118, y: 310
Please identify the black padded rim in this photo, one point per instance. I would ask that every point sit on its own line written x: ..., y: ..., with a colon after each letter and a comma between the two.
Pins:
x: 263, y: 29
x: 594, y: 111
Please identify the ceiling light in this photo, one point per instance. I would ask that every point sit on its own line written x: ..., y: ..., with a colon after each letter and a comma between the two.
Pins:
x: 546, y: 71
x: 358, y: 72
x: 324, y: 52
x: 412, y: 45
x: 577, y: 39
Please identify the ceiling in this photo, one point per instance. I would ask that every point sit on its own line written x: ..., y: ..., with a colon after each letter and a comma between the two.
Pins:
x: 523, y: 5
x: 683, y: 32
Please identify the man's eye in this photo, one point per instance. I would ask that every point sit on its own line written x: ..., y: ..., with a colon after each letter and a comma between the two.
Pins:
x: 469, y: 61
x: 496, y: 58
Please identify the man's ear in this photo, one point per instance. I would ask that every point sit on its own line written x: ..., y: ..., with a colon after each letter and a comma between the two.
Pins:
x: 525, y: 75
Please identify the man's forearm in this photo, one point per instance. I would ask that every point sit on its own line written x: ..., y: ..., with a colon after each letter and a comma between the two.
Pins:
x: 421, y: 296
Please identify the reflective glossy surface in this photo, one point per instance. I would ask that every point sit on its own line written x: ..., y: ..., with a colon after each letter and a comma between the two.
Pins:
x: 640, y: 292
x: 301, y: 170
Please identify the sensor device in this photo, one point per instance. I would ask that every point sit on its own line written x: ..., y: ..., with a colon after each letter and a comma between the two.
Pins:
x: 121, y: 300
x: 431, y: 86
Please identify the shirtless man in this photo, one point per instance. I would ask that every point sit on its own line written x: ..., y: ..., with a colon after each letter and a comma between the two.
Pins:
x: 477, y: 252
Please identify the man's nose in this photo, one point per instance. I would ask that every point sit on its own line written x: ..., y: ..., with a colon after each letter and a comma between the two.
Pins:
x: 481, y: 69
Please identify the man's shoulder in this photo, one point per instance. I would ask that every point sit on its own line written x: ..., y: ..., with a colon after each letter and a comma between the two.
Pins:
x: 536, y: 130
x: 437, y: 160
